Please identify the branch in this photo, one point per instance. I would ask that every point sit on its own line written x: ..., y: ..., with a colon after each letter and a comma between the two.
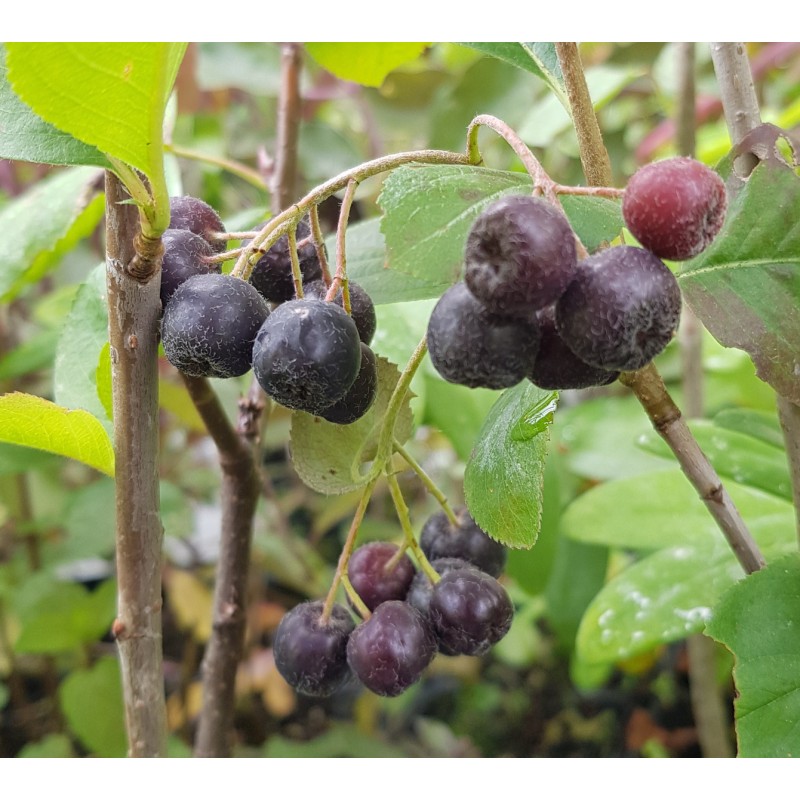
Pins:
x: 240, y: 490
x: 134, y: 310
x: 289, y: 102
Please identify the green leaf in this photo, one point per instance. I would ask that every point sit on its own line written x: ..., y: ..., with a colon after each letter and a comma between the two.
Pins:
x: 739, y: 456
x: 91, y: 701
x: 14, y: 460
x: 56, y: 616
x: 108, y: 94
x: 47, y: 221
x: 428, y: 211
x: 746, y: 286
x: 27, y: 137
x: 503, y: 483
x: 343, y: 741
x: 761, y: 425
x: 55, y: 745
x: 366, y: 265
x: 367, y: 63
x: 330, y: 458
x: 759, y: 621
x: 34, y: 422
x: 661, y: 509
x: 32, y: 355
x: 83, y: 337
x: 103, y: 380
x: 90, y: 524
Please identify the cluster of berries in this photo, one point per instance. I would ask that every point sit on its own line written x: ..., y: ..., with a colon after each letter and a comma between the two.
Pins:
x: 464, y: 612
x: 307, y: 354
x: 527, y: 308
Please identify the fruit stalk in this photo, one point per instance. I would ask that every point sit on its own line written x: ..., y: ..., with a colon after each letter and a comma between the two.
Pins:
x: 240, y: 489
x: 134, y: 309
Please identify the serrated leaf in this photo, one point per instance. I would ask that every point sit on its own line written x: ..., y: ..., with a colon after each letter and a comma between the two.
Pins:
x: 331, y: 458
x: 759, y: 621
x: 38, y: 423
x: 428, y: 211
x: 27, y: 137
x: 46, y: 221
x: 746, y: 286
x: 108, y: 94
x: 83, y: 337
x: 91, y: 700
x: 504, y: 480
x: 661, y: 509
x: 743, y: 458
x: 367, y: 63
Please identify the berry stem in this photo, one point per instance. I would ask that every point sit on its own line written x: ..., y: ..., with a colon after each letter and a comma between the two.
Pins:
x: 280, y: 224
x: 590, y: 191
x: 650, y: 391
x: 408, y: 533
x: 428, y: 482
x: 319, y: 243
x: 234, y: 167
x: 354, y: 598
x: 341, y: 568
x: 297, y: 275
x: 340, y: 279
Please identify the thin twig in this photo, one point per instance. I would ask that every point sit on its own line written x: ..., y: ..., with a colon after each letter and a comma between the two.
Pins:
x: 234, y: 167
x: 289, y: 103
x: 319, y: 243
x: 428, y: 483
x: 340, y: 278
x: 134, y: 310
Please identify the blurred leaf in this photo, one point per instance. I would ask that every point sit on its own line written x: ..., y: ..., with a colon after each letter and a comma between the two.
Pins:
x: 47, y: 220
x: 108, y: 94
x: 58, y: 616
x: 27, y: 137
x: 192, y: 602
x: 4, y: 694
x: 324, y: 151
x: 83, y: 337
x: 253, y: 67
x: 90, y: 524
x: 329, y: 458
x: 760, y: 425
x: 91, y: 700
x: 55, y: 745
x: 367, y: 63
x: 759, y: 621
x: 34, y: 422
x: 428, y: 211
x: 174, y: 398
x: 31, y: 355
x: 103, y: 380
x: 662, y: 509
x: 366, y: 265
x: 342, y: 741
x: 503, y: 483
x: 746, y: 286
x: 743, y: 458
x: 15, y: 459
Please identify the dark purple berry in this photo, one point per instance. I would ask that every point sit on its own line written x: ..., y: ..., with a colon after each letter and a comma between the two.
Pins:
x: 621, y: 310
x: 520, y: 256
x: 557, y: 367
x: 362, y: 309
x: 307, y: 355
x: 441, y: 539
x: 272, y: 274
x: 421, y: 589
x: 209, y: 326
x: 675, y: 207
x: 374, y: 583
x: 389, y: 652
x: 471, y: 346
x: 470, y: 611
x: 360, y: 396
x: 184, y: 254
x: 312, y: 656
x: 197, y: 216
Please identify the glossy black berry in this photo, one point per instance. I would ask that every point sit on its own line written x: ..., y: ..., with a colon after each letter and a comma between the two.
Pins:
x: 621, y: 310
x: 421, y: 589
x: 557, y: 367
x: 389, y: 652
x: 197, y: 216
x: 373, y: 581
x: 520, y: 255
x: 441, y: 539
x: 272, y: 274
x: 675, y: 207
x: 307, y: 355
x: 209, y: 326
x: 470, y: 611
x: 473, y: 347
x: 312, y: 656
x: 360, y: 396
x: 184, y: 254
x: 362, y: 309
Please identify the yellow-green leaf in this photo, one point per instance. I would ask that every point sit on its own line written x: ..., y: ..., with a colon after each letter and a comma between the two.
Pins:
x: 367, y: 63
x: 108, y: 94
x: 38, y: 423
